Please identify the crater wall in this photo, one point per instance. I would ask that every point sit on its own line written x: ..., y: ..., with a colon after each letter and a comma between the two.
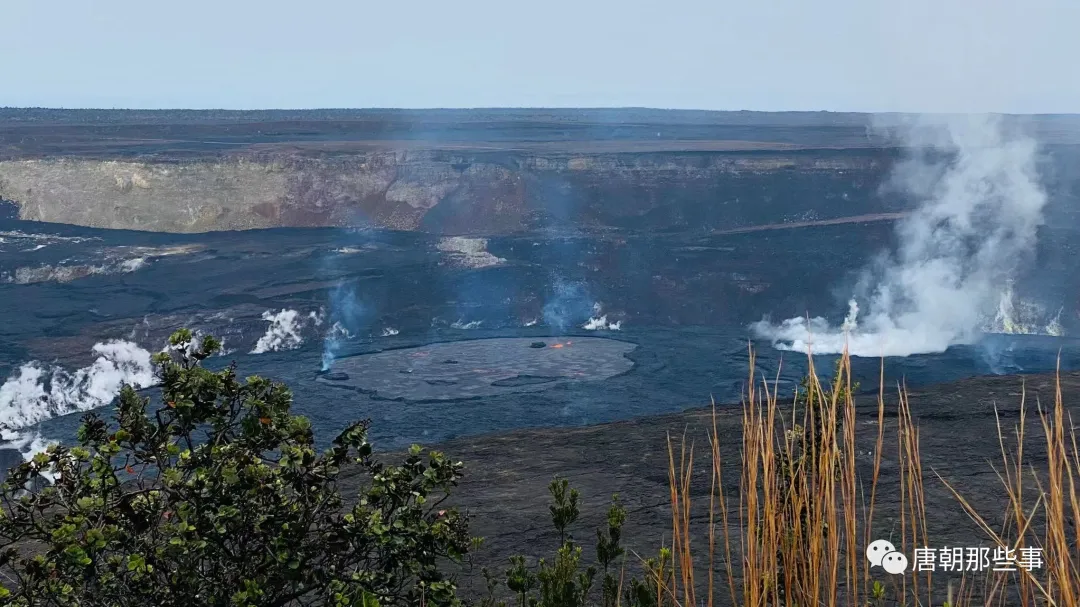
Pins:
x: 451, y: 193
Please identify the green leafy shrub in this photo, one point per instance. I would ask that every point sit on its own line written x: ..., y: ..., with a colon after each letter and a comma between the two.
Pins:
x: 218, y: 497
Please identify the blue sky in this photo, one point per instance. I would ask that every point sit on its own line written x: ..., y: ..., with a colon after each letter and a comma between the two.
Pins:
x: 842, y: 55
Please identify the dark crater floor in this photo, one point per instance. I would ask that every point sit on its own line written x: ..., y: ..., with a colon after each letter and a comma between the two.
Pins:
x: 444, y: 345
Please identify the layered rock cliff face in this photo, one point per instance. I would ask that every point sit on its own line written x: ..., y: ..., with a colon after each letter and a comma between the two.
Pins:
x: 449, y: 192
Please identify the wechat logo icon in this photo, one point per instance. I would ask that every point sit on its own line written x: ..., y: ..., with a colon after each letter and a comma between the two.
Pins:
x: 881, y: 553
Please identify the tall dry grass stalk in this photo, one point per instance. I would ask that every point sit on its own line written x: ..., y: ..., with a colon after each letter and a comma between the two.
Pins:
x: 805, y: 514
x: 1043, y: 510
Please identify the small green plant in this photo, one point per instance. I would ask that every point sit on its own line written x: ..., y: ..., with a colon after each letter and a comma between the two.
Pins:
x: 654, y: 587
x: 565, y: 581
x: 520, y: 580
x: 562, y: 582
x: 877, y: 593
x: 608, y: 550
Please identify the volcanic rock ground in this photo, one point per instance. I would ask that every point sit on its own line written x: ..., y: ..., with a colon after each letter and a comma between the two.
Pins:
x: 505, y: 487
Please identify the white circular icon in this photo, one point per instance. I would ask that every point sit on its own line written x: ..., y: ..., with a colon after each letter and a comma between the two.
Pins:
x: 894, y: 563
x: 877, y: 551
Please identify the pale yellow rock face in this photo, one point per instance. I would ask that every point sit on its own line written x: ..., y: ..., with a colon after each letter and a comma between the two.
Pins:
x: 463, y: 193
x: 193, y: 197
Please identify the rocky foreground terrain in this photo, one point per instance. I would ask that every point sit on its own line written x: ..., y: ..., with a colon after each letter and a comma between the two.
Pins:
x: 505, y: 487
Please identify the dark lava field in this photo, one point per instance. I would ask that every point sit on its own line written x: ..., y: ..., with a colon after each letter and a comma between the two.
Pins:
x: 84, y: 307
x: 283, y: 300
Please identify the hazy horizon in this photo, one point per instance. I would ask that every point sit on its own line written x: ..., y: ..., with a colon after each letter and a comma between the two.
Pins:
x: 522, y: 108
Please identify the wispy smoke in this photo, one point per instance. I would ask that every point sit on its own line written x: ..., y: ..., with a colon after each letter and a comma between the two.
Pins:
x: 568, y: 305
x: 285, y: 331
x: 346, y: 317
x: 332, y: 344
x: 981, y: 206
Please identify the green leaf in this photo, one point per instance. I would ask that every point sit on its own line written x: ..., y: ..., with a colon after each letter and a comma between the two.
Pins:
x: 136, y: 562
x: 77, y: 555
x: 369, y: 600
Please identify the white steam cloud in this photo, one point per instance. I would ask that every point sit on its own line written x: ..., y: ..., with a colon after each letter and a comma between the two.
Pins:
x: 599, y: 321
x: 36, y: 393
x: 285, y: 331
x: 981, y: 206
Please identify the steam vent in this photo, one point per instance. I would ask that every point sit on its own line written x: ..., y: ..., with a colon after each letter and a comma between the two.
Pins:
x: 482, y: 367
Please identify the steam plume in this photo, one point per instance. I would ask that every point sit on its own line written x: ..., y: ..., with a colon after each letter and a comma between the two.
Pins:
x: 285, y: 331
x: 36, y: 393
x: 569, y: 305
x: 981, y: 206
x: 599, y: 321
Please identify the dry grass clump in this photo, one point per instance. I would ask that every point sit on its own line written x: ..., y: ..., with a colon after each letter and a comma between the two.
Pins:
x: 805, y: 511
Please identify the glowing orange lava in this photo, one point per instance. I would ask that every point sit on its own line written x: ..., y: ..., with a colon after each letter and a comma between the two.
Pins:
x: 557, y: 346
